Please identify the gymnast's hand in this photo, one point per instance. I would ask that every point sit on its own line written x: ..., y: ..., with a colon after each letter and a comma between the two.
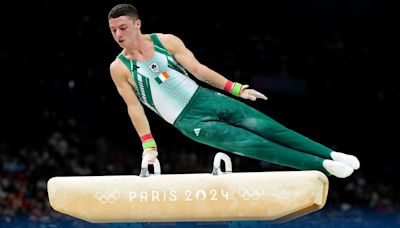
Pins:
x: 152, y: 153
x: 251, y: 94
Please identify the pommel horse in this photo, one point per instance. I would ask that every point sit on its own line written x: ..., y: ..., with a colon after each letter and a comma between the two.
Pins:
x: 275, y: 196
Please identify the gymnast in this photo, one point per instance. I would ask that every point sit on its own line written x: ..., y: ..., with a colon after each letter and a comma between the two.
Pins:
x: 153, y: 69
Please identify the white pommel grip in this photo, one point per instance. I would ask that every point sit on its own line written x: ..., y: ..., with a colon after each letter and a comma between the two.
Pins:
x: 144, y: 171
x: 217, y: 164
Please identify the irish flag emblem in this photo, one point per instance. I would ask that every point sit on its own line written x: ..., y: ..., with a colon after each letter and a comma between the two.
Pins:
x: 162, y: 77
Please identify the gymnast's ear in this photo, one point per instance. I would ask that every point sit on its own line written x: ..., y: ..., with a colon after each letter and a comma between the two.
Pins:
x: 138, y: 23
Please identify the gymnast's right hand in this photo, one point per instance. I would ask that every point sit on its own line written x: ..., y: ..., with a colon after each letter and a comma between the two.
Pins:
x: 152, y: 153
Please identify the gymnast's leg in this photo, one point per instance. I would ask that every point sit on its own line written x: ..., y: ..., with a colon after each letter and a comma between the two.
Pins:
x: 244, y: 116
x: 211, y: 119
x: 249, y: 118
x: 243, y: 142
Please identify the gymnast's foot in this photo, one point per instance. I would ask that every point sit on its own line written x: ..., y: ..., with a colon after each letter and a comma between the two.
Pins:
x: 337, y: 169
x: 346, y: 158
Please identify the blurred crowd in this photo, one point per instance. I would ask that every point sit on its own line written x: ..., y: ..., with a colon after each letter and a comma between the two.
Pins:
x: 26, y: 169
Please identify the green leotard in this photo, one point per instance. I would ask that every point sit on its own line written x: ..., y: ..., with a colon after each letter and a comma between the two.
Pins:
x: 217, y: 120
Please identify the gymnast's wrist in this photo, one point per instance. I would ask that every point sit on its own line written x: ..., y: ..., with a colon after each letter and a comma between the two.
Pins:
x: 233, y: 88
x: 148, y: 142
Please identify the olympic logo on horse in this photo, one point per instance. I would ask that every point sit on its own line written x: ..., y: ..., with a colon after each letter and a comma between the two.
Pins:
x: 251, y: 193
x: 107, y: 196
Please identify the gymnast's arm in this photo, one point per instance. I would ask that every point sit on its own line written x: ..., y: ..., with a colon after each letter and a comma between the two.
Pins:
x: 187, y: 59
x: 121, y: 76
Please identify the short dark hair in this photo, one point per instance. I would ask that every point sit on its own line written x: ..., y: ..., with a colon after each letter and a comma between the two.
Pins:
x: 123, y: 10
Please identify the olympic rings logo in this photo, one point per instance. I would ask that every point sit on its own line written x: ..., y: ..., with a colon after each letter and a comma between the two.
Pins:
x: 107, y: 196
x: 251, y: 193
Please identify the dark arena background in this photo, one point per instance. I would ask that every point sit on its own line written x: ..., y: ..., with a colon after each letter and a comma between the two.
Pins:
x: 326, y: 66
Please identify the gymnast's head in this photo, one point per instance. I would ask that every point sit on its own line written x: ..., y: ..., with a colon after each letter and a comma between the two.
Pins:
x: 124, y: 23
x: 124, y: 10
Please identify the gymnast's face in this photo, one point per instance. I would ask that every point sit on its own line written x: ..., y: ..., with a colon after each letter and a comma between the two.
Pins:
x: 124, y: 30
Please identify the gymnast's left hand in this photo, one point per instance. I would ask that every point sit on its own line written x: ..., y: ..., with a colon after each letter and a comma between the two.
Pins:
x: 251, y: 94
x: 152, y: 153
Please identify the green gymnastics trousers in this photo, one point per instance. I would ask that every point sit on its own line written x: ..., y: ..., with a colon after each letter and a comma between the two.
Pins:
x: 225, y: 123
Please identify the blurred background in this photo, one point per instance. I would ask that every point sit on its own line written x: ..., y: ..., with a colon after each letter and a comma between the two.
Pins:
x: 327, y: 67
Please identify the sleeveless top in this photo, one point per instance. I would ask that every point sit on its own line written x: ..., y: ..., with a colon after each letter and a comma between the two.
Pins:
x: 162, y: 84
